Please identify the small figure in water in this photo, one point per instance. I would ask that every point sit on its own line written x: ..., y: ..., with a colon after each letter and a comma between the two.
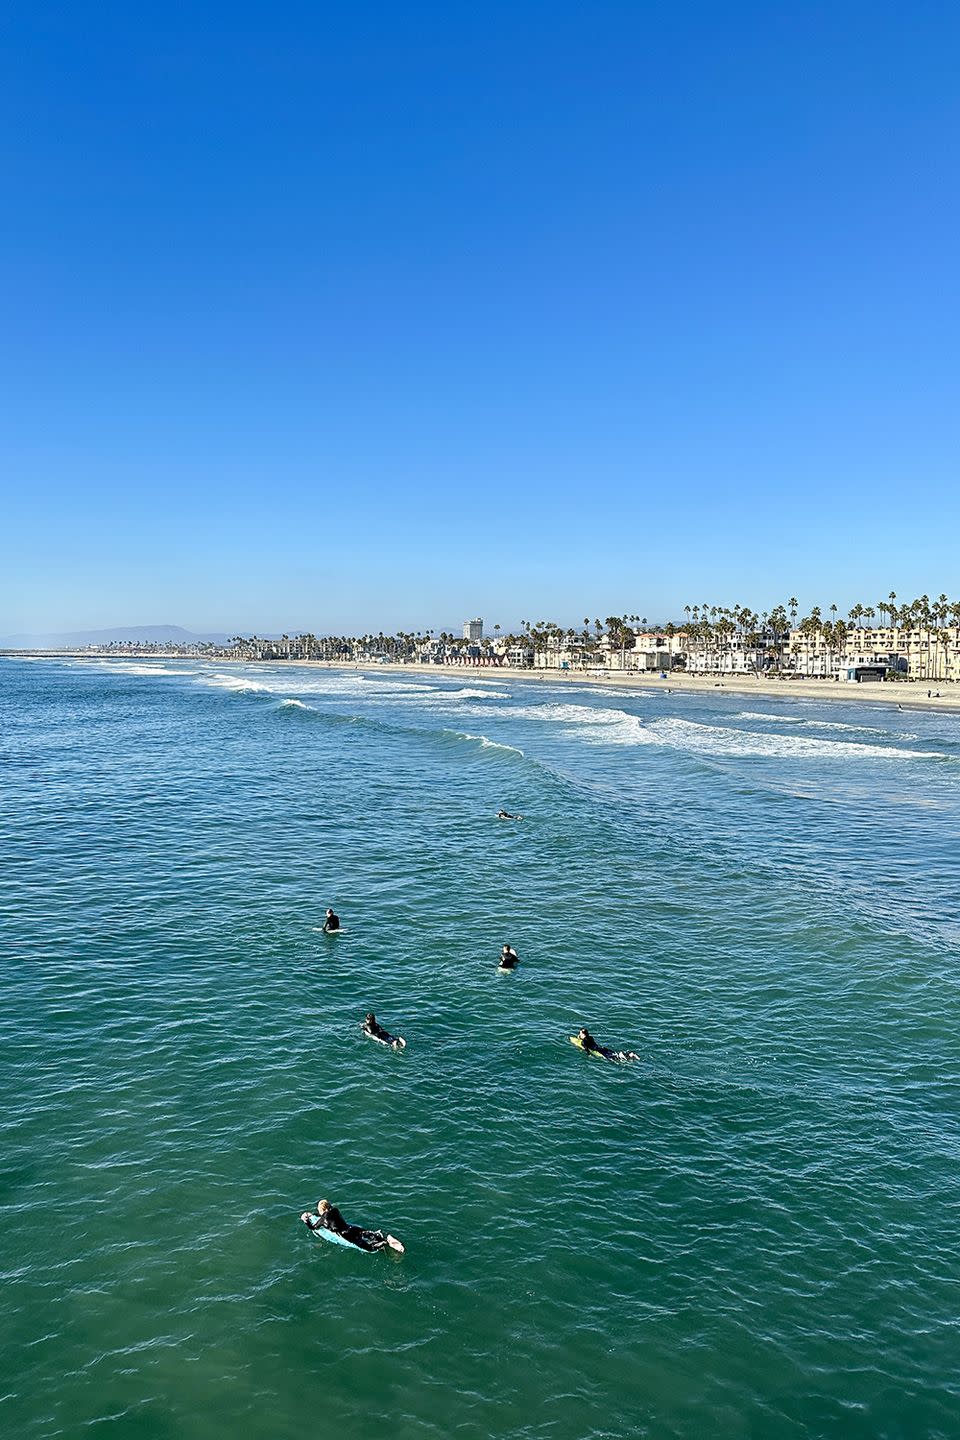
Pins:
x: 331, y: 923
x: 509, y: 959
x: 328, y: 1217
x: 505, y: 815
x: 586, y: 1042
x: 370, y: 1026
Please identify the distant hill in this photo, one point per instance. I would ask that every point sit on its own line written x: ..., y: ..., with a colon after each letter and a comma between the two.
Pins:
x: 131, y: 634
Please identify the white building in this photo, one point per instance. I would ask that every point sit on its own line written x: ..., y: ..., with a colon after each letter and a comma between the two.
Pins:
x: 473, y: 631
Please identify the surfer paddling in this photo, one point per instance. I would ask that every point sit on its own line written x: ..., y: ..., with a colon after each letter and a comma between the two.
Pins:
x: 586, y: 1042
x: 509, y: 959
x: 372, y: 1027
x: 505, y: 815
x: 328, y: 1217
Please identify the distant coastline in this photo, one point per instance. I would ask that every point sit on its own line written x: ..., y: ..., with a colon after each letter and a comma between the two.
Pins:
x: 910, y: 694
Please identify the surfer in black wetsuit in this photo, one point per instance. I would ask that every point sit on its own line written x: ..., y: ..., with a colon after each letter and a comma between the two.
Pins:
x: 509, y: 959
x: 505, y: 815
x: 588, y: 1043
x: 331, y: 923
x: 372, y: 1027
x: 328, y: 1217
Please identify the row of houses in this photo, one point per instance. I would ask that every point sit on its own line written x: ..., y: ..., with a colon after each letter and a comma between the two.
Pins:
x: 861, y: 654
x: 857, y: 653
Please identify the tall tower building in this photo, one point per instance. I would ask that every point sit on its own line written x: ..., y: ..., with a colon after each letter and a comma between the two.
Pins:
x: 473, y: 631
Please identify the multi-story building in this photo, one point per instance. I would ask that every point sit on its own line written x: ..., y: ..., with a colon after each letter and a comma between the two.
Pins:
x: 473, y: 631
x: 922, y: 654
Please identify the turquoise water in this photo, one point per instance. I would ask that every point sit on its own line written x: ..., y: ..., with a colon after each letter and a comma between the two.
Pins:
x: 752, y: 1232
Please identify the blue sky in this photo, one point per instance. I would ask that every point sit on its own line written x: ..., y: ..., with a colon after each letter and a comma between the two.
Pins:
x: 342, y: 317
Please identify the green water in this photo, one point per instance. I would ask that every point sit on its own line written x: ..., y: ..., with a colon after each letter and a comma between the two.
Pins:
x: 752, y: 1232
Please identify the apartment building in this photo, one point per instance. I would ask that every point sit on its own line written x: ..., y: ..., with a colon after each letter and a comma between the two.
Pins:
x: 919, y: 653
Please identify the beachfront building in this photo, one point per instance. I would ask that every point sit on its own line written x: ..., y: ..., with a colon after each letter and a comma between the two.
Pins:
x: 917, y: 652
x: 473, y: 631
x: 632, y: 653
x: 731, y: 655
x: 658, y: 650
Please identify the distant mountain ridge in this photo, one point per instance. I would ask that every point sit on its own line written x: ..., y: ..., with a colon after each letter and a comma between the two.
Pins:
x: 130, y: 634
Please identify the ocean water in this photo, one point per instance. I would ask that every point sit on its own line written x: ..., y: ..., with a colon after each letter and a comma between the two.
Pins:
x: 752, y: 1232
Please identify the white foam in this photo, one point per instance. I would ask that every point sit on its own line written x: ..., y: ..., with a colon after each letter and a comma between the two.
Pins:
x: 717, y: 740
x: 826, y: 725
x: 237, y: 683
x: 485, y: 742
x: 473, y: 695
x: 297, y: 704
x: 119, y: 667
x: 593, y: 723
x: 780, y: 719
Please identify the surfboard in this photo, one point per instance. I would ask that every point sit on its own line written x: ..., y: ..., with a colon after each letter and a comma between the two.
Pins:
x: 396, y: 1042
x: 575, y: 1040
x: 319, y: 930
x: 335, y: 1239
x: 619, y: 1057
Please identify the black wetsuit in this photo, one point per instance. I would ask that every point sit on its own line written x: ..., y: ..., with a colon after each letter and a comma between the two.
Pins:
x: 332, y: 922
x: 377, y: 1032
x: 510, y: 960
x: 591, y: 1046
x: 363, y: 1239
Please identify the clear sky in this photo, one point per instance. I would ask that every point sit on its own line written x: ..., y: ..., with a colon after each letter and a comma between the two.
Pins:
x: 386, y: 314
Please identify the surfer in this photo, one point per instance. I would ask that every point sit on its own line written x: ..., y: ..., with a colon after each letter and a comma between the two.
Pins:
x: 505, y: 815
x: 331, y: 923
x: 509, y: 959
x: 371, y: 1026
x: 328, y: 1217
x: 586, y: 1042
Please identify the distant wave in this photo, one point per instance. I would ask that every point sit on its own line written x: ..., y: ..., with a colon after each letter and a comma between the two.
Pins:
x: 473, y: 694
x: 780, y: 719
x: 593, y: 723
x: 606, y: 726
x: 827, y: 725
x: 485, y: 742
x: 237, y: 683
x: 296, y: 704
x: 117, y: 667
x: 717, y: 740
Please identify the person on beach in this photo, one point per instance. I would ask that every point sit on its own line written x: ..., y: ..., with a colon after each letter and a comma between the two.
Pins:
x: 328, y: 1217
x: 372, y: 1027
x: 587, y: 1042
x: 509, y: 959
x: 331, y: 923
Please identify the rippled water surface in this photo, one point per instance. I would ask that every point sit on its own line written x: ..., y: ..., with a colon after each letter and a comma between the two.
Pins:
x: 752, y: 1232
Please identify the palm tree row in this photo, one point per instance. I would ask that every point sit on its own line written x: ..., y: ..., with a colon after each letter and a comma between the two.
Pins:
x: 713, y: 628
x: 938, y: 621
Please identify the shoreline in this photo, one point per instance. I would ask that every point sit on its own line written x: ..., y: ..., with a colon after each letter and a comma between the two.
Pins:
x: 910, y: 694
x: 905, y: 693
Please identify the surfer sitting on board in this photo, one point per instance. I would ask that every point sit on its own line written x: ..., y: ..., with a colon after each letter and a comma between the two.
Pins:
x: 508, y: 958
x: 586, y: 1042
x: 331, y: 923
x: 328, y: 1217
x: 371, y: 1026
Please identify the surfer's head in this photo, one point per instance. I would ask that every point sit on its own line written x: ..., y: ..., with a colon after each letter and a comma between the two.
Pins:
x: 370, y: 1019
x: 323, y: 1206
